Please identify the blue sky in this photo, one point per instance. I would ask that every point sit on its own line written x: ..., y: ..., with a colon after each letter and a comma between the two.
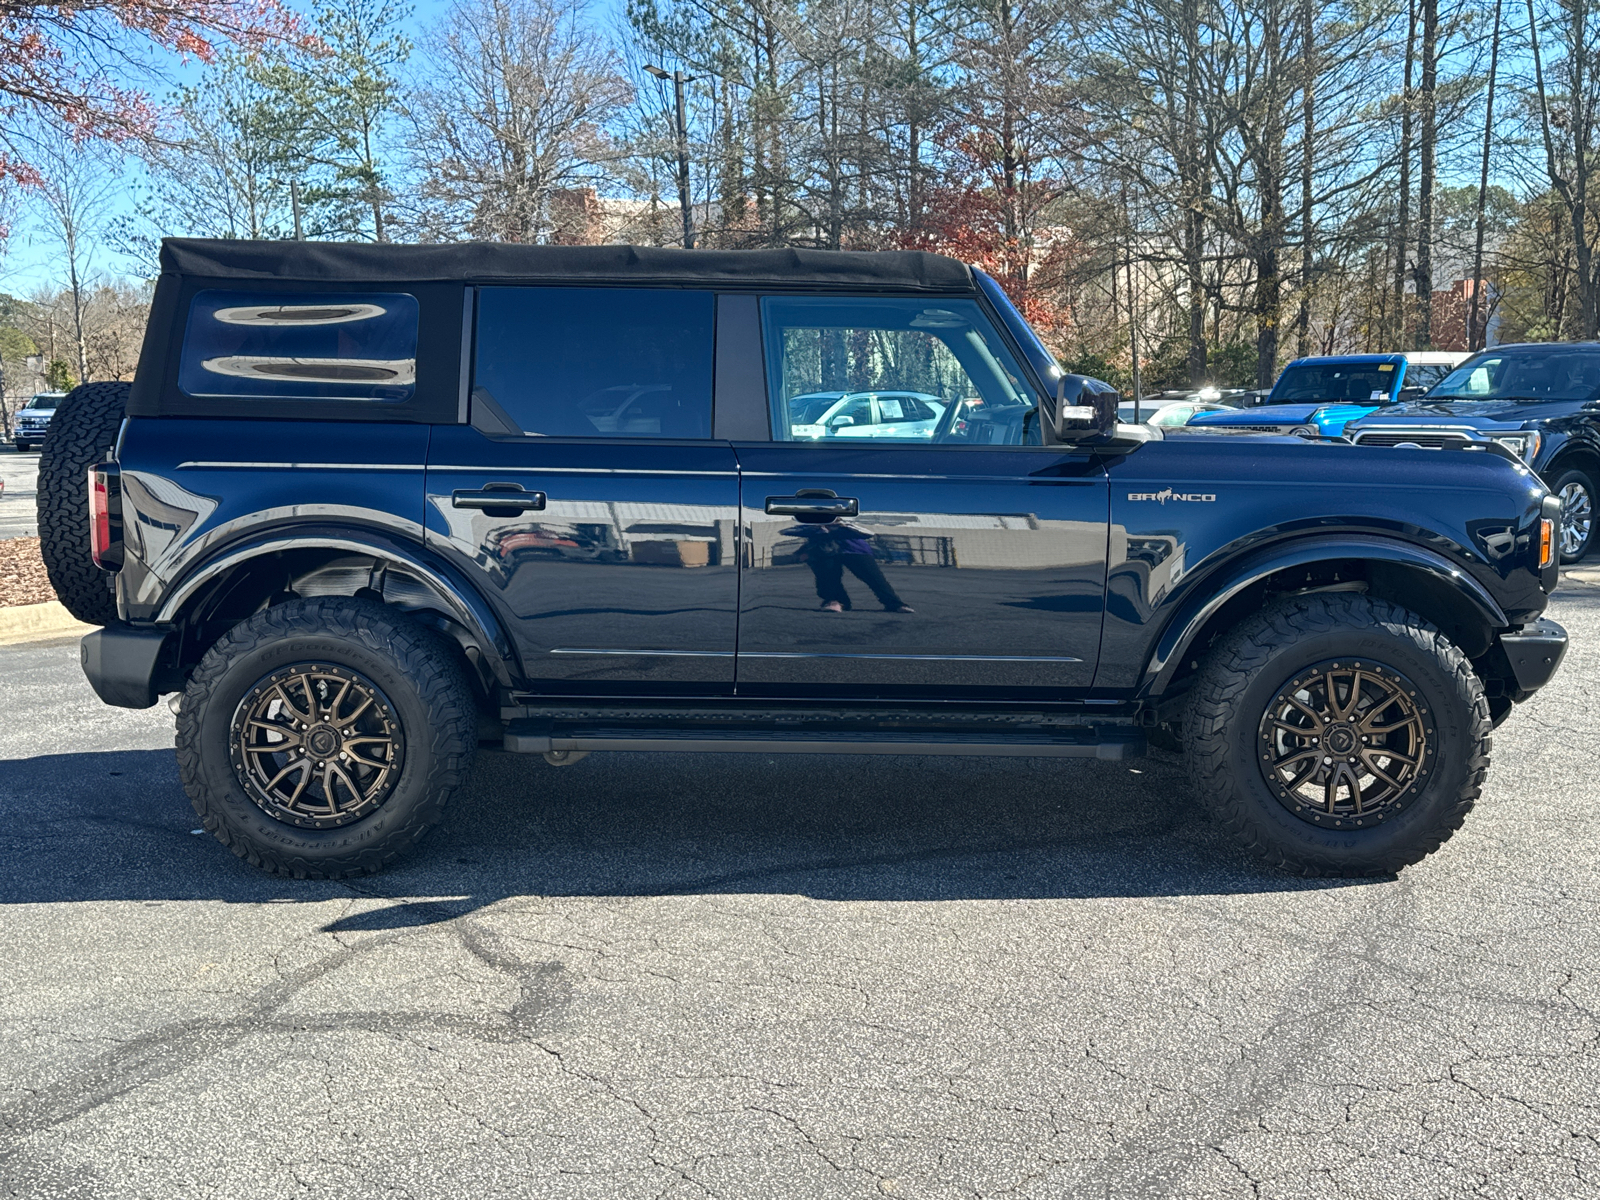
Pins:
x: 31, y: 259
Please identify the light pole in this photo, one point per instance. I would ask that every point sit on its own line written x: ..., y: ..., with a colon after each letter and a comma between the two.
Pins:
x: 678, y: 80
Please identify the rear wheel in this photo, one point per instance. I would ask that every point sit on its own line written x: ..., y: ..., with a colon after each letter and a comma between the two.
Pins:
x: 1577, y: 494
x: 82, y: 433
x: 1339, y: 735
x: 323, y: 738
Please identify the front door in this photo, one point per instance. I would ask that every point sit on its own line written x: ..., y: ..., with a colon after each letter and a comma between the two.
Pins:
x: 587, y: 494
x: 928, y: 547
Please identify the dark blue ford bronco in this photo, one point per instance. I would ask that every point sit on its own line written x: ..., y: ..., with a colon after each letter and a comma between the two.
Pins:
x: 369, y: 508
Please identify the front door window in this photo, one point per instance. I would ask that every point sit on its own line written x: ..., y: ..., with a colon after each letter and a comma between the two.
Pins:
x: 893, y: 370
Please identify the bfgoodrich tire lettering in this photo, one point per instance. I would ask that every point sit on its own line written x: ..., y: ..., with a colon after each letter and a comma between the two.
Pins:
x: 1269, y: 650
x: 427, y: 696
x: 82, y: 431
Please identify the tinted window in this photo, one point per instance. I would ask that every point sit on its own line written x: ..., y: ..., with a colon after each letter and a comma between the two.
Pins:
x: 893, y: 370
x: 1323, y: 382
x: 597, y: 362
x: 1542, y: 373
x: 1424, y: 376
x: 43, y: 403
x: 325, y: 346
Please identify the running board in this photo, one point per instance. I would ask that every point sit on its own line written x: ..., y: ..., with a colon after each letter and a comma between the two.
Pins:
x: 1109, y: 742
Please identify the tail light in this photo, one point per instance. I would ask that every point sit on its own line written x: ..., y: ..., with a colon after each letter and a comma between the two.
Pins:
x: 105, y: 516
x: 1547, y: 541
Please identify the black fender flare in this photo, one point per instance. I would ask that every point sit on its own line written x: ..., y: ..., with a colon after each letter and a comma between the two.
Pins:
x: 1228, y: 581
x: 466, y: 606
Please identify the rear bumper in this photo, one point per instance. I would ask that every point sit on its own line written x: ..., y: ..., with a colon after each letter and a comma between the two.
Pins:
x: 1534, y: 652
x: 125, y: 665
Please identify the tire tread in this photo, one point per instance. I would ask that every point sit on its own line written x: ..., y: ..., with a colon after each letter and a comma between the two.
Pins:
x: 440, y: 682
x: 1215, y: 704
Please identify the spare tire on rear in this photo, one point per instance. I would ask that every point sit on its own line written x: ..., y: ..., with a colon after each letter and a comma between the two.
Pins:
x: 82, y: 433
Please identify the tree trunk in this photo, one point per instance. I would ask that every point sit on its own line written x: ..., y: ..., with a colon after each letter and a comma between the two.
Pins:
x: 1402, y: 225
x: 1194, y: 197
x: 1477, y: 335
x: 1269, y: 188
x: 1428, y: 148
x: 1308, y: 136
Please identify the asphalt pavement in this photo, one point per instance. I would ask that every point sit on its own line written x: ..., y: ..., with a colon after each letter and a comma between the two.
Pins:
x: 20, y: 473
x: 743, y: 976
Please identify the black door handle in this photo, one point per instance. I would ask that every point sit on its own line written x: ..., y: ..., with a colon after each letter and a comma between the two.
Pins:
x: 498, y: 499
x: 813, y: 506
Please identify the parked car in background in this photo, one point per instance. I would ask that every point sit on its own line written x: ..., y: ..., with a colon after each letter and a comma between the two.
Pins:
x: 1322, y: 395
x: 33, y: 420
x: 1539, y: 401
x: 866, y: 414
x: 1168, y: 413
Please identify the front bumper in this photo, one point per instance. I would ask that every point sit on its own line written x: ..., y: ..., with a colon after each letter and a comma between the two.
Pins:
x: 1534, y: 652
x: 126, y: 666
x: 30, y: 435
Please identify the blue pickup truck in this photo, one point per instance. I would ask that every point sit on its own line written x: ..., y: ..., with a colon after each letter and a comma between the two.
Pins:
x: 363, y: 516
x: 1322, y: 395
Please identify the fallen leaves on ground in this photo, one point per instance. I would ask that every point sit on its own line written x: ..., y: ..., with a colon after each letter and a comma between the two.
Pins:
x: 22, y: 577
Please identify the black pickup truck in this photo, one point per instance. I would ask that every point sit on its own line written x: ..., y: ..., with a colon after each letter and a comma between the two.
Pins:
x: 1540, y: 400
x: 367, y: 508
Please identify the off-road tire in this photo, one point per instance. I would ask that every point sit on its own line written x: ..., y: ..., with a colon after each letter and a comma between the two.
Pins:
x: 1583, y: 479
x: 1244, y: 672
x: 82, y: 433
x: 432, y: 701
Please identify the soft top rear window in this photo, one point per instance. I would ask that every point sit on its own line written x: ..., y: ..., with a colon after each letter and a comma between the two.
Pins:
x: 284, y: 346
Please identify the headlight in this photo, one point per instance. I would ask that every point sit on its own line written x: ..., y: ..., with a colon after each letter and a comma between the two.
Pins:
x: 1524, y: 445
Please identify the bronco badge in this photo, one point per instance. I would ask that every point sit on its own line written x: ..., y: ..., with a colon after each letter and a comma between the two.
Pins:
x: 1166, y: 494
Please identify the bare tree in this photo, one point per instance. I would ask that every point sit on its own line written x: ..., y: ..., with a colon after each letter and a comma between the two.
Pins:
x: 72, y: 196
x: 512, y: 109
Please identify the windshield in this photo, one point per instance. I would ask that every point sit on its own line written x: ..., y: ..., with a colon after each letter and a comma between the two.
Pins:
x: 1537, y: 373
x: 45, y: 403
x: 1364, y: 383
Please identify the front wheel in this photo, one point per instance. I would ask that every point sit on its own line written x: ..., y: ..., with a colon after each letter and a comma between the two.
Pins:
x: 1576, y: 492
x: 1337, y: 734
x: 24, y: 447
x: 322, y: 738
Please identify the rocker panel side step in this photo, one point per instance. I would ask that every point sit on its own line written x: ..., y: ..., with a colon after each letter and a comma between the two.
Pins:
x: 1112, y: 743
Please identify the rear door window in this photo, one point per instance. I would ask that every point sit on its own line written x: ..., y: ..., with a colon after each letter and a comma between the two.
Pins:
x: 596, y: 362
x: 241, y: 345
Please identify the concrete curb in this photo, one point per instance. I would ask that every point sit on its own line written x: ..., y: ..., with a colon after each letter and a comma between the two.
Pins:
x: 36, y: 622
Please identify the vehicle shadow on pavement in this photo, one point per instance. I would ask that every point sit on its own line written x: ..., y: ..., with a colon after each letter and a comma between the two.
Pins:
x: 117, y: 826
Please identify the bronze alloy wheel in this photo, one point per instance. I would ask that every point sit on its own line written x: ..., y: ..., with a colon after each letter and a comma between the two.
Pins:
x: 1346, y: 744
x: 316, y: 746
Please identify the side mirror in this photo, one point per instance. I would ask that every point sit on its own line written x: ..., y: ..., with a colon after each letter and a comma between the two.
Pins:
x: 1085, y: 408
x: 1410, y: 393
x: 838, y: 421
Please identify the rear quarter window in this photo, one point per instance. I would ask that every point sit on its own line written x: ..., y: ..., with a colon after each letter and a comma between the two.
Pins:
x: 240, y: 345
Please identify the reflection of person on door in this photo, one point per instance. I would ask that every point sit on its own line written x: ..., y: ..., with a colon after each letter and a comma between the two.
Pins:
x: 833, y: 548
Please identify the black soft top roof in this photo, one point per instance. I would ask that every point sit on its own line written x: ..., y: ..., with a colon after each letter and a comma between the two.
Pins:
x: 496, y: 262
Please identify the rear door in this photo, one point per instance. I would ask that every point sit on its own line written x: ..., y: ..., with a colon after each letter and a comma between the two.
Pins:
x: 965, y: 558
x: 588, y: 496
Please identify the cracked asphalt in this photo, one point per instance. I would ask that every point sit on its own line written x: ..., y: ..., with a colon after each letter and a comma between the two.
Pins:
x: 740, y: 976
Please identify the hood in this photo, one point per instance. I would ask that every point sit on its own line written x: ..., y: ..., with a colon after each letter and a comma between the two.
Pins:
x: 1264, y: 414
x: 1286, y: 414
x: 1487, y: 413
